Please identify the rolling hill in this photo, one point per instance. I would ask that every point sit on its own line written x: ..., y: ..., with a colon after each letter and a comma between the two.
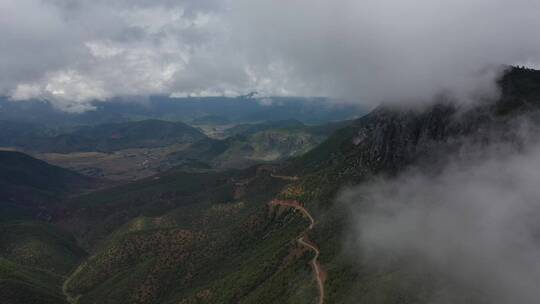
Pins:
x: 100, y: 138
x: 250, y: 144
x: 31, y: 187
x: 35, y: 255
x: 188, y: 238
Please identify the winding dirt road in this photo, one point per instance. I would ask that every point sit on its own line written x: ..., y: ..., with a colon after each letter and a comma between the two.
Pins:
x: 304, y: 241
x: 284, y: 177
x: 69, y: 298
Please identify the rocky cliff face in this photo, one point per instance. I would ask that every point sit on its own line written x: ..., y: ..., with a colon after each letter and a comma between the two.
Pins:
x: 388, y: 139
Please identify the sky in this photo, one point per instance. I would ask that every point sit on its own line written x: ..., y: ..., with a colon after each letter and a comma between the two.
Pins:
x: 73, y: 52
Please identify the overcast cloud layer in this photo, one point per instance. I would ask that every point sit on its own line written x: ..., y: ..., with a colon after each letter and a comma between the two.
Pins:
x: 369, y: 51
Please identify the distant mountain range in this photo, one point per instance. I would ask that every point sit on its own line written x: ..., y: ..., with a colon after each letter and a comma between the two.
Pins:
x: 101, y: 138
x: 211, y: 110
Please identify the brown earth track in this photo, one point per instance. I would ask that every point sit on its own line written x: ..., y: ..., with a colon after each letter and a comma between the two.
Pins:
x: 303, y: 240
x: 287, y: 178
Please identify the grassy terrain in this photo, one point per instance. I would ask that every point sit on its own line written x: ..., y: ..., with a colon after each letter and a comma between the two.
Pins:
x: 94, y: 216
x: 35, y: 257
x: 223, y: 258
x: 128, y: 164
x: 190, y: 238
x: 40, y: 245
x: 20, y: 284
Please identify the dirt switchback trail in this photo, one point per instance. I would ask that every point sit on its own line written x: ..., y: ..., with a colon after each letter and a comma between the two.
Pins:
x: 71, y: 299
x: 284, y: 177
x: 304, y: 241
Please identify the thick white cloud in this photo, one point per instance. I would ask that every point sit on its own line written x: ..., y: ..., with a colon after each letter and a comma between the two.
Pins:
x: 366, y: 50
x: 475, y: 223
x: 393, y: 50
